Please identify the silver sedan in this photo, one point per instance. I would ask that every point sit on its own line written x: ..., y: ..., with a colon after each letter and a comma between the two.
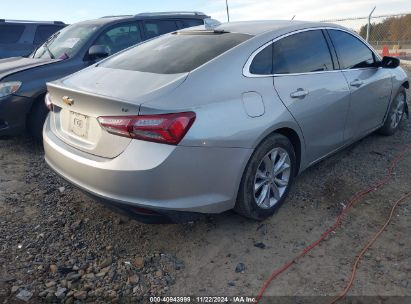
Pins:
x: 205, y: 120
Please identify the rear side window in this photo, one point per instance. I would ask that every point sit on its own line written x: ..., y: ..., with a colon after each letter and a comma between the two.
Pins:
x: 44, y: 32
x: 184, y: 23
x: 263, y: 62
x: 302, y: 52
x: 156, y: 28
x: 175, y: 53
x: 351, y: 52
x: 11, y: 33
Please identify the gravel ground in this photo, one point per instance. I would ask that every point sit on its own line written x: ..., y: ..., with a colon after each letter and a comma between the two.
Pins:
x: 58, y: 245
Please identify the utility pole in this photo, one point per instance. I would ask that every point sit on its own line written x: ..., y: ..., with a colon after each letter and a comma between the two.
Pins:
x: 228, y: 13
x: 369, y: 24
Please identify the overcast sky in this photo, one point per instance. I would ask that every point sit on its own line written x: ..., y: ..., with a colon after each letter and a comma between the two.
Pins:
x: 71, y: 11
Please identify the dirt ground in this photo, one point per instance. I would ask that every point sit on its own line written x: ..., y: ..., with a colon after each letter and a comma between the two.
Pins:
x: 58, y: 245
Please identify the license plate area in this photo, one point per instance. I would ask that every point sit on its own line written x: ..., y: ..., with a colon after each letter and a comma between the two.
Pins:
x: 79, y: 124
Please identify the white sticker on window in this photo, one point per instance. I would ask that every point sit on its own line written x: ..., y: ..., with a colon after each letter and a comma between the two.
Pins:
x: 70, y: 43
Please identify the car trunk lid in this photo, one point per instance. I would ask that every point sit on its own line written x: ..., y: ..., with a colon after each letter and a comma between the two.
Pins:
x: 77, y: 105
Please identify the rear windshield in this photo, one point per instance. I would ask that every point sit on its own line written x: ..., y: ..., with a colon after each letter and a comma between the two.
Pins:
x: 11, y: 33
x: 175, y: 53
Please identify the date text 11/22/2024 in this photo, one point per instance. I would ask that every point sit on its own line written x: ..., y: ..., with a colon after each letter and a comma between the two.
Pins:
x: 189, y: 299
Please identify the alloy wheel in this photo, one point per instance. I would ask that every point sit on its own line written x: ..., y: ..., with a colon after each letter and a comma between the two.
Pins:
x: 398, y: 110
x: 272, y: 178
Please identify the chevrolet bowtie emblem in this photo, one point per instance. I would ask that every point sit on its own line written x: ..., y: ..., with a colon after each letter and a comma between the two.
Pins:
x: 68, y: 101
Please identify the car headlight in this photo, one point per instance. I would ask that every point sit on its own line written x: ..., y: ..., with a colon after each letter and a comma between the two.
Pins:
x: 8, y: 88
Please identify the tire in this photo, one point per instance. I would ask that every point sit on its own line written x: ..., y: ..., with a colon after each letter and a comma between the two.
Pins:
x: 36, y: 118
x: 249, y: 203
x: 395, y: 114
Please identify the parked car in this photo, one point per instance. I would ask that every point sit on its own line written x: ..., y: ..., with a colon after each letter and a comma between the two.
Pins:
x: 204, y: 120
x: 21, y: 38
x: 23, y: 80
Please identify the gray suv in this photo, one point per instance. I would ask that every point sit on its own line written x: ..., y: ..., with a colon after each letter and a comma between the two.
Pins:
x: 21, y: 38
x: 23, y: 80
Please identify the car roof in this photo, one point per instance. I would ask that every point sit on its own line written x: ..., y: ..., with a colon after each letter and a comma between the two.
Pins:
x: 8, y: 21
x: 147, y: 16
x: 257, y: 28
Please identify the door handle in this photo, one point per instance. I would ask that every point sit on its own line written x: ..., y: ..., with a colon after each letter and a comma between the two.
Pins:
x: 356, y: 83
x: 300, y: 93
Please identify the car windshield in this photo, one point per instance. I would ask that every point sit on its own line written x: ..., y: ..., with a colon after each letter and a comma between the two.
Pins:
x: 66, y: 43
x: 176, y: 53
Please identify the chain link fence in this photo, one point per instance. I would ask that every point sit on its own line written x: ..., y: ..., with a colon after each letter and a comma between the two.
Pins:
x: 390, y: 35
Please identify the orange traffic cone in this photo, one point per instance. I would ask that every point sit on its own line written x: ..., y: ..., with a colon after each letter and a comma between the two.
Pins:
x: 385, y: 51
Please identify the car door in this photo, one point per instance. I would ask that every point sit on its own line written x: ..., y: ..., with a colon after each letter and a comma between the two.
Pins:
x: 369, y: 84
x: 315, y: 93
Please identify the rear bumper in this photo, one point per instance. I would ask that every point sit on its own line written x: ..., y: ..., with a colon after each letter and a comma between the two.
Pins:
x: 154, y: 176
x: 147, y: 216
x: 13, y: 111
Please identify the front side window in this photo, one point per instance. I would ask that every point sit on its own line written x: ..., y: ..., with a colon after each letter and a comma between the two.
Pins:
x: 351, y: 52
x: 119, y: 37
x: 175, y: 53
x: 156, y: 28
x: 11, y: 33
x: 67, y: 42
x: 302, y: 52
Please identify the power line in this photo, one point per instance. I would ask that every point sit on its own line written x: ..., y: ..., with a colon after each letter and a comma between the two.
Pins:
x: 228, y: 13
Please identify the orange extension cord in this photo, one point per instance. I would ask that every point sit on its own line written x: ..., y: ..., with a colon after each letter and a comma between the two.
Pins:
x: 369, y: 244
x: 338, y: 221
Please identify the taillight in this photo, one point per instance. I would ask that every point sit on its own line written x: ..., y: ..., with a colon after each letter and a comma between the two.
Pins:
x: 48, y: 102
x: 161, y: 128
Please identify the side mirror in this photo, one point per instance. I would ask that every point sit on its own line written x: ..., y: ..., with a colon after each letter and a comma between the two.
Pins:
x: 96, y: 52
x: 390, y: 62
